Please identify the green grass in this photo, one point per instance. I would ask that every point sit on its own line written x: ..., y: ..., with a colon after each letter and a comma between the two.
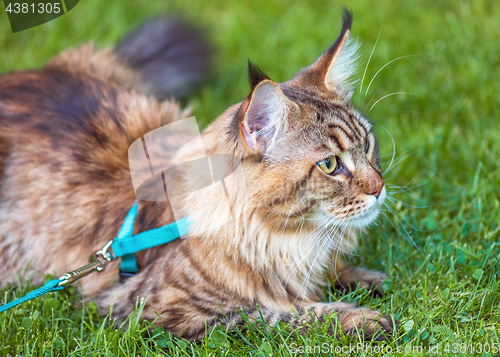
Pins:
x: 439, y: 242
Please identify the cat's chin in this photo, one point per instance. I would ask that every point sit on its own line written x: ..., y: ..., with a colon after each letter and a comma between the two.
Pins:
x: 367, y: 216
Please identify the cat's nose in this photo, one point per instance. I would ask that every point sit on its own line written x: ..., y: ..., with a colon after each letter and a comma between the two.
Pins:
x: 378, y: 189
x: 371, y: 183
x: 375, y: 186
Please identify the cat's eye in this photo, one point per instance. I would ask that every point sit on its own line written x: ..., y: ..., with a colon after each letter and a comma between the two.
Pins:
x: 328, y: 165
x: 367, y: 145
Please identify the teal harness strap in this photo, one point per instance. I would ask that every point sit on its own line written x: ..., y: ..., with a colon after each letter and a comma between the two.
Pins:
x: 125, y: 245
x: 151, y: 238
x: 128, y: 263
x: 52, y: 285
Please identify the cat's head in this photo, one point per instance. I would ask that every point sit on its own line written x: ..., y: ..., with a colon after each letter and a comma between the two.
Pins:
x: 309, y: 154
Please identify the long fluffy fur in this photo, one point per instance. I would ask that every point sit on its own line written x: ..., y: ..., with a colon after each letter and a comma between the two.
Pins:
x: 65, y: 189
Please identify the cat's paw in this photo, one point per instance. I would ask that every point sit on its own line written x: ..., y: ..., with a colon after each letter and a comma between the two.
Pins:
x: 372, y: 325
x: 351, y: 277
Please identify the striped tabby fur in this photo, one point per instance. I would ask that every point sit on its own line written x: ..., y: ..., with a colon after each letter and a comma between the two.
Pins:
x: 65, y: 187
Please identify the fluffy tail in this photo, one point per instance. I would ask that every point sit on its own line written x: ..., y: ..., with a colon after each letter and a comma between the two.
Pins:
x: 171, y: 57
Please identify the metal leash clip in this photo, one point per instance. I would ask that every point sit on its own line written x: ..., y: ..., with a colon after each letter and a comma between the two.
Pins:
x: 98, y: 262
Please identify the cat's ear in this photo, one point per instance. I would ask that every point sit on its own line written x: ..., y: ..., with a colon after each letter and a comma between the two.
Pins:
x: 265, y: 113
x: 337, y: 65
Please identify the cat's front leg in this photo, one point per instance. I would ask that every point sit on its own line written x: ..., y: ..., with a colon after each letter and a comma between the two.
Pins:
x: 346, y: 277
x: 186, y: 314
x: 370, y: 324
x: 350, y: 277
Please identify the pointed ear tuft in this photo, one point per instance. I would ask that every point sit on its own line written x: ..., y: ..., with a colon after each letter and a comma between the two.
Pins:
x: 337, y: 65
x: 255, y: 75
x: 343, y: 61
x: 346, y: 19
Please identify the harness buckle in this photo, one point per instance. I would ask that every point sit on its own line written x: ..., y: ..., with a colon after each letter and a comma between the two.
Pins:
x: 103, y: 253
x: 98, y: 262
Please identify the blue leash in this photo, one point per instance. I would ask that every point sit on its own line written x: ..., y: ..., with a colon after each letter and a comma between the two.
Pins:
x: 52, y: 285
x: 124, y: 246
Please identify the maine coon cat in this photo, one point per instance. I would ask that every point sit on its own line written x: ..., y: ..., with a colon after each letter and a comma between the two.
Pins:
x: 311, y: 168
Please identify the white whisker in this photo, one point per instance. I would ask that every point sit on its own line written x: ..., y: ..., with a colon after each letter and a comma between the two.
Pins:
x: 389, y: 95
x: 404, y: 228
x: 368, y: 62
x: 385, y: 65
x: 394, y: 200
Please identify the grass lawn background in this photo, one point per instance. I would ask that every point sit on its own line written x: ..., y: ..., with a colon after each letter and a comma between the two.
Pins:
x: 438, y: 240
